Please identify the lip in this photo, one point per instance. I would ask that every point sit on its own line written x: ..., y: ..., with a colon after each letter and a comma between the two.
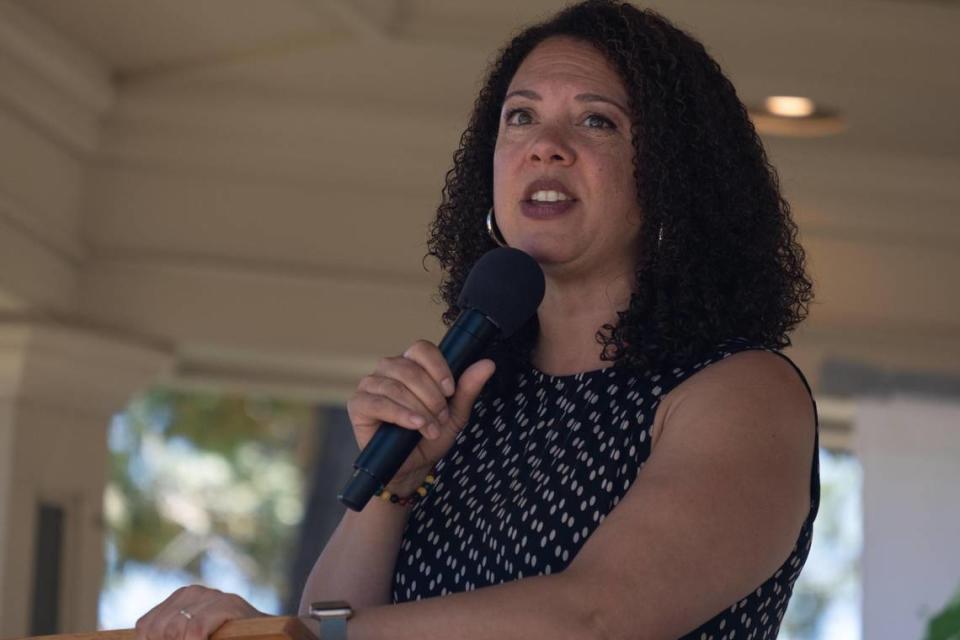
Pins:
x: 546, y: 210
x: 547, y: 184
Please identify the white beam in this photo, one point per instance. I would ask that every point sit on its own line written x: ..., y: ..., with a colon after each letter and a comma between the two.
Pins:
x: 60, y: 88
x: 360, y: 20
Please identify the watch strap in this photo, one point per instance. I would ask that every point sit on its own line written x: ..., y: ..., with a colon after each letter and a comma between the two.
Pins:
x: 333, y: 628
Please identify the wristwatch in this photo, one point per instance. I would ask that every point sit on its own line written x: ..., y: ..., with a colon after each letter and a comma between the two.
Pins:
x: 333, y: 616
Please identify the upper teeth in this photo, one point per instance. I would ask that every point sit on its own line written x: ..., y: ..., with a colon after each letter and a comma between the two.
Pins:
x: 549, y: 196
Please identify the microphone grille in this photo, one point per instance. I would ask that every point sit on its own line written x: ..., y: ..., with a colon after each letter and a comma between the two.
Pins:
x: 506, y: 285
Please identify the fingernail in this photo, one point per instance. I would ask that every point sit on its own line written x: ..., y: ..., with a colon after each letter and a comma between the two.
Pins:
x: 418, y: 420
x: 444, y: 415
x: 447, y: 385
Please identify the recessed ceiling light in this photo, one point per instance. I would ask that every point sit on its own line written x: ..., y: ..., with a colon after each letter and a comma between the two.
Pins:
x: 789, y: 106
x: 795, y: 116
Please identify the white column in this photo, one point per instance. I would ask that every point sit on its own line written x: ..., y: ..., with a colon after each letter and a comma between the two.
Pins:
x: 910, y: 451
x: 59, y: 387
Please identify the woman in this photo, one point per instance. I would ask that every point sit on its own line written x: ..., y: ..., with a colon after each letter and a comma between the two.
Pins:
x: 614, y: 152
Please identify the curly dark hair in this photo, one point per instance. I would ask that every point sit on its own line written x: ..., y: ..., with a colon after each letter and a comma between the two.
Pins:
x: 729, y: 264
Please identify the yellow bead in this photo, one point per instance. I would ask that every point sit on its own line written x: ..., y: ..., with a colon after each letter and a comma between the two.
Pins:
x: 431, y: 479
x: 422, y: 491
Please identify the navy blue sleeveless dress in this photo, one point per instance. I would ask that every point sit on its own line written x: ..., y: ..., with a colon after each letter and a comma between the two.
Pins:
x: 532, y: 475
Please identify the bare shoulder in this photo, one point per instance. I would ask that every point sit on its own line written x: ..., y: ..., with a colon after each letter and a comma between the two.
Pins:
x: 717, y: 507
x: 756, y: 385
x: 751, y: 416
x: 750, y: 419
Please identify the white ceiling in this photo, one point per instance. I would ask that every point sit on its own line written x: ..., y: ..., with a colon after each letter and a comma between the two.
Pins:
x: 245, y: 116
x: 888, y: 66
x: 891, y: 66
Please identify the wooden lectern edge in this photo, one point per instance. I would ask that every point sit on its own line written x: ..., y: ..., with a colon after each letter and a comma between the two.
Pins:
x: 264, y: 628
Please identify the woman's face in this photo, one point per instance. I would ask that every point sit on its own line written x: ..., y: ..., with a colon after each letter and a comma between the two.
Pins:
x: 563, y: 182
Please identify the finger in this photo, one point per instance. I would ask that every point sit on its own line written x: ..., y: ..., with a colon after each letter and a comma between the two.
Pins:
x: 209, y: 616
x: 364, y: 406
x: 469, y: 387
x: 419, y: 381
x: 195, y: 628
x: 151, y: 626
x: 174, y: 626
x: 397, y: 391
x: 170, y: 623
x: 402, y: 395
x: 429, y: 356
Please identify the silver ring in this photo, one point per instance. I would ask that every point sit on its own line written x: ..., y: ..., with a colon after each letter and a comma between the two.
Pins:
x: 186, y: 614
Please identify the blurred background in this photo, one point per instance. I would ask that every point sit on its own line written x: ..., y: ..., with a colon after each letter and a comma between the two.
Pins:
x: 207, y: 207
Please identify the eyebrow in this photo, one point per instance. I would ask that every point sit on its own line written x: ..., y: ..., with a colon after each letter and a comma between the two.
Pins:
x: 582, y: 97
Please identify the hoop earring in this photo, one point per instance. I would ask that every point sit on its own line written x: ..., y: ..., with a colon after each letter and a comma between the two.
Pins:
x: 494, y: 233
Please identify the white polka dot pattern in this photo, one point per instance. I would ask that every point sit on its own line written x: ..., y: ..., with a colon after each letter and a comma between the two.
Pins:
x: 532, y: 476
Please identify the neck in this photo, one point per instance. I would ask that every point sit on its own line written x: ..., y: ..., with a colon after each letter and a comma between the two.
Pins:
x: 570, y: 316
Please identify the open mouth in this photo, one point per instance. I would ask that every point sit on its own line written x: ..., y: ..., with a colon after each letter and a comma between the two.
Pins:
x: 544, y: 208
x: 549, y: 196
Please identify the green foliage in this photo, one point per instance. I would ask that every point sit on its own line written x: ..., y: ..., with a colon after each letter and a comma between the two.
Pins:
x: 196, y: 472
x: 946, y: 624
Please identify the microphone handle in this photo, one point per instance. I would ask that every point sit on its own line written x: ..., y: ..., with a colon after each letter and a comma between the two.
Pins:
x: 391, y: 445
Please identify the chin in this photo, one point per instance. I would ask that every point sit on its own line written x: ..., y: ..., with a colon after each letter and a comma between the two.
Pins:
x: 546, y: 253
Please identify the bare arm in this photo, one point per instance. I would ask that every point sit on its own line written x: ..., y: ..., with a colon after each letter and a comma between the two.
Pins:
x: 357, y: 563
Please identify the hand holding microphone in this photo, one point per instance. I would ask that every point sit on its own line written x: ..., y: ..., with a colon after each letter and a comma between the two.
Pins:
x: 407, y: 391
x: 501, y: 292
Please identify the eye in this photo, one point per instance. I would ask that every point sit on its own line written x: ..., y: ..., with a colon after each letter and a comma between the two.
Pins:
x: 596, y: 121
x: 516, y: 117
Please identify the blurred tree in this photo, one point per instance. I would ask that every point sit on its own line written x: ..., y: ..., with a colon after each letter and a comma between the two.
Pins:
x: 194, y: 474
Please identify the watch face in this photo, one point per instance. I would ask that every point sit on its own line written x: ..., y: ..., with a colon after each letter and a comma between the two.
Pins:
x: 330, y: 609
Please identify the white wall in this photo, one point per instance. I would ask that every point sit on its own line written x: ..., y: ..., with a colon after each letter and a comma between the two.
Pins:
x: 909, y: 448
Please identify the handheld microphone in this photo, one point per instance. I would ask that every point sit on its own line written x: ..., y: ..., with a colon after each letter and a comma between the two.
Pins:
x: 502, y: 291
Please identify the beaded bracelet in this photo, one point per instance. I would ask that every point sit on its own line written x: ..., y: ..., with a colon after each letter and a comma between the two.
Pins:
x: 413, y: 498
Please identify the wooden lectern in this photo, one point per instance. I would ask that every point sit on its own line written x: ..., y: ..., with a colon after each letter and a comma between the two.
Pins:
x: 267, y: 628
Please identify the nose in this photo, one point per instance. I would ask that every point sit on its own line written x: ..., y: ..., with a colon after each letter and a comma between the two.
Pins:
x: 550, y: 147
